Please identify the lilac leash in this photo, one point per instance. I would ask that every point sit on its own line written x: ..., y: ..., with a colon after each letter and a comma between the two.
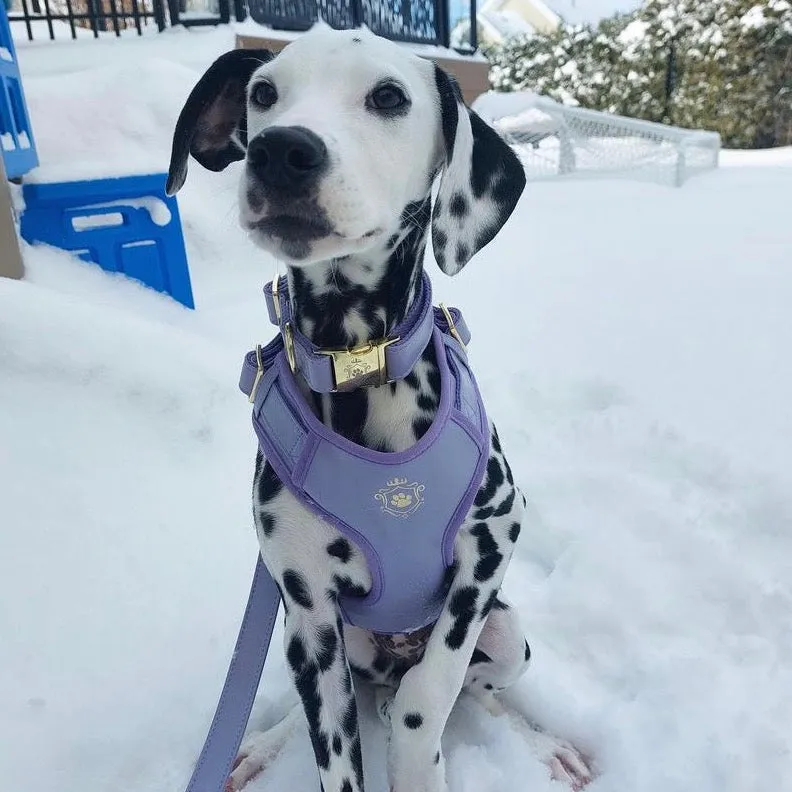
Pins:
x: 244, y: 672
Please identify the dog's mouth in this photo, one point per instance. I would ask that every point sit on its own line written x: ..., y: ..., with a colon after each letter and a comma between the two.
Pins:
x: 291, y: 228
x: 294, y: 228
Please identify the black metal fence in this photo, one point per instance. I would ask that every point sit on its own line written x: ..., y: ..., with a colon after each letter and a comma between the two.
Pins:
x: 414, y: 21
x: 91, y: 16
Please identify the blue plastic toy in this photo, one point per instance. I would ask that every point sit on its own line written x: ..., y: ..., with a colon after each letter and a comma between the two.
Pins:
x: 124, y: 225
x: 16, y: 136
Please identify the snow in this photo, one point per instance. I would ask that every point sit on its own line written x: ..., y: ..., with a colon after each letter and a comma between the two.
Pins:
x: 632, y: 343
x: 634, y: 32
x: 754, y: 18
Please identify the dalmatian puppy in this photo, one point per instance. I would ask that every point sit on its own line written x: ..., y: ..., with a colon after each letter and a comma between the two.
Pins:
x: 343, y: 135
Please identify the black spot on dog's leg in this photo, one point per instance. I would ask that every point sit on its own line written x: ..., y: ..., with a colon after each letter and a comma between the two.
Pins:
x: 327, y: 648
x: 490, y: 558
x: 487, y: 567
x: 514, y: 531
x: 462, y: 255
x: 421, y: 426
x: 459, y: 206
x: 268, y: 484
x: 463, y: 608
x: 267, y: 523
x: 346, y: 588
x: 493, y: 481
x: 306, y: 680
x: 340, y: 549
x: 349, y: 722
x: 413, y: 720
x: 296, y: 654
x: 321, y: 748
x: 356, y: 755
x: 297, y: 588
x: 489, y: 604
x: 506, y: 505
x: 480, y: 657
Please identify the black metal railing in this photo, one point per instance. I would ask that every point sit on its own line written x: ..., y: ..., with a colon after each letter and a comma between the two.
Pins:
x: 413, y: 21
x: 95, y: 16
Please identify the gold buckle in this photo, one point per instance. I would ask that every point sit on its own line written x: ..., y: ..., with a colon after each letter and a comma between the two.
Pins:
x: 276, y: 296
x: 259, y: 374
x: 360, y: 366
x: 452, y: 326
x: 288, y: 343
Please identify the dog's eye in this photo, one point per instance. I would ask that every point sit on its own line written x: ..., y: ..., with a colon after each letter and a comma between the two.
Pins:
x: 387, y: 97
x: 264, y: 95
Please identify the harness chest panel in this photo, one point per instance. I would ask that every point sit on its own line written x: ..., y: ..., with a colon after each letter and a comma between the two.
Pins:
x: 402, y: 510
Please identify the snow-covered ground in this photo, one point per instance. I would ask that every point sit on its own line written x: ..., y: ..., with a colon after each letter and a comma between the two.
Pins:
x: 633, y: 344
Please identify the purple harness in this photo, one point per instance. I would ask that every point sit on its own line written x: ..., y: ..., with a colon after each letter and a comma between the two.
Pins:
x: 403, y: 510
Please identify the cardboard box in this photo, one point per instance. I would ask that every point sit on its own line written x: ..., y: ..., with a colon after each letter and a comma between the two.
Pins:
x: 10, y: 257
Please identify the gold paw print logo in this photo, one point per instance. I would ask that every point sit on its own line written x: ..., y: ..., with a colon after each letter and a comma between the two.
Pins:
x: 357, y: 368
x: 400, y: 499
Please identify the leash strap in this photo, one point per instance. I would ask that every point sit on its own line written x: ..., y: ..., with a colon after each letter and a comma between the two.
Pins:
x: 236, y: 700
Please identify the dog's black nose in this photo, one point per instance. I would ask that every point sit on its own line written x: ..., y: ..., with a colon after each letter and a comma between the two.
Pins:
x: 287, y: 158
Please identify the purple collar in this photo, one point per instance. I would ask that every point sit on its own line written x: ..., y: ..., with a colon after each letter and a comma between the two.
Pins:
x: 373, y: 363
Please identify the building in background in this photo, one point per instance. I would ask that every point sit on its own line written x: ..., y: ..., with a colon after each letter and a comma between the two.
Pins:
x: 501, y: 19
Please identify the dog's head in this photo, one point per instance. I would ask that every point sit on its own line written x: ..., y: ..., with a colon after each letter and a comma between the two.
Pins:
x: 340, y: 133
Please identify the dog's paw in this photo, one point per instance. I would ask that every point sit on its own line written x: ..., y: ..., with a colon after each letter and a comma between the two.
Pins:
x: 258, y: 750
x: 566, y: 763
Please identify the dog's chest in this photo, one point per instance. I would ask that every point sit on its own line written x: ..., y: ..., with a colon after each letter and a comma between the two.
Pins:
x: 392, y: 417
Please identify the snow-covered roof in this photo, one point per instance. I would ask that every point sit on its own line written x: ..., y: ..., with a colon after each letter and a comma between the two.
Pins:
x: 504, y: 18
x: 501, y: 25
x: 580, y: 11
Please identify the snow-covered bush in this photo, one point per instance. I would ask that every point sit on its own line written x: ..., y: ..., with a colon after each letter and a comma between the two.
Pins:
x: 724, y: 65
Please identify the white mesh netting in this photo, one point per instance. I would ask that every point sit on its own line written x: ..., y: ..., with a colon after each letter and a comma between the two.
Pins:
x: 554, y: 140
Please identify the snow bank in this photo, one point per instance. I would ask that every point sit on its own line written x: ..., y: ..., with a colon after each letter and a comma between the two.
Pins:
x: 134, y: 102
x: 494, y: 105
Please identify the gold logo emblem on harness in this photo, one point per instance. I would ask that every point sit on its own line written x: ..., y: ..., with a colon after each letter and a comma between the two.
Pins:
x: 400, y: 499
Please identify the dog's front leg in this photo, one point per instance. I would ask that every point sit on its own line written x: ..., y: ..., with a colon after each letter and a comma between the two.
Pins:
x: 317, y: 660
x: 428, y: 691
x: 313, y: 565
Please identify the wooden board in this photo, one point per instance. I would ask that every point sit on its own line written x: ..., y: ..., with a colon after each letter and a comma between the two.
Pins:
x: 471, y: 74
x: 10, y: 257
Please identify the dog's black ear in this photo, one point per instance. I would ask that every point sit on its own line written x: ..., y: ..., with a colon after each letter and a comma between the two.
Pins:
x: 482, y: 180
x: 212, y: 125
